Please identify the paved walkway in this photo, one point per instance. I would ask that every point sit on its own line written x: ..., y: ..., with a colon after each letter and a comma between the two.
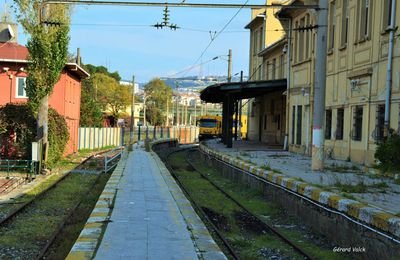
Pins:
x: 146, y: 222
x: 299, y: 166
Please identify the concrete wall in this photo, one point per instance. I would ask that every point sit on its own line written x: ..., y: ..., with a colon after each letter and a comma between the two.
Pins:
x: 338, y: 229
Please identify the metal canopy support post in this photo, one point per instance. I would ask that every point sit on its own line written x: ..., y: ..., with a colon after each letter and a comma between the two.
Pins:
x: 237, y: 120
x: 224, y: 116
x: 229, y: 125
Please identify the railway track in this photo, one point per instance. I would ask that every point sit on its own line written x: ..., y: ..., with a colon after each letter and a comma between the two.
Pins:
x: 251, y: 219
x: 29, y: 206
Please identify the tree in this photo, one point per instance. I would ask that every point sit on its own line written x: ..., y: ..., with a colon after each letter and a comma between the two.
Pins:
x: 158, y: 99
x: 110, y: 94
x: 92, y: 69
x: 91, y: 109
x: 48, y: 53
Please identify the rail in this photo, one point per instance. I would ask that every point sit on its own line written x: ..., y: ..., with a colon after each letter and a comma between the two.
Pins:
x: 111, y: 159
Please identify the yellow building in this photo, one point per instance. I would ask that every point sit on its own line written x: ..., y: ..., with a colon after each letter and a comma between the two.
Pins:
x: 267, y: 113
x: 357, y: 60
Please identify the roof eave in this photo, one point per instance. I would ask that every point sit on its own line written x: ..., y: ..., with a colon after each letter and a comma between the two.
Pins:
x: 254, y: 21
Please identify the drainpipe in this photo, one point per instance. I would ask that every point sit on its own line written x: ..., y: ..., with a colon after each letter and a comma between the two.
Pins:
x: 389, y: 69
x: 289, y: 44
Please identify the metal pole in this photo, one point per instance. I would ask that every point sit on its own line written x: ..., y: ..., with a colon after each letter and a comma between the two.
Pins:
x: 289, y: 52
x: 230, y: 65
x: 236, y: 119
x: 240, y: 110
x: 132, y: 111
x: 181, y: 4
x: 144, y: 109
x: 389, y: 69
x: 319, y: 89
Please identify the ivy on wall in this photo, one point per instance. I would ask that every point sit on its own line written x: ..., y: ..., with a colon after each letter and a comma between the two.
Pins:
x: 18, y: 131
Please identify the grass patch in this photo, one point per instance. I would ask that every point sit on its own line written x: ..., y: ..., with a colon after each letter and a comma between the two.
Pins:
x: 30, y: 231
x: 379, y: 185
x: 360, y: 187
x: 342, y: 168
x: 67, y: 237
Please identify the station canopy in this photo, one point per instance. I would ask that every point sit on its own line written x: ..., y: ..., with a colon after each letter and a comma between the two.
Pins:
x: 241, y: 90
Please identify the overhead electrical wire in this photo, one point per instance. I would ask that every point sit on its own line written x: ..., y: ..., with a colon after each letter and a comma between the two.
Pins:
x: 219, y: 32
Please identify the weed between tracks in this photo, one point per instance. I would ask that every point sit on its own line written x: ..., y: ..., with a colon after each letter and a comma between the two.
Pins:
x: 66, y: 239
x: 241, y: 229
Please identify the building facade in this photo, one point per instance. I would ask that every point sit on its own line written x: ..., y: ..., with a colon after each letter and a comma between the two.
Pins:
x: 267, y: 113
x: 65, y: 98
x: 357, y: 63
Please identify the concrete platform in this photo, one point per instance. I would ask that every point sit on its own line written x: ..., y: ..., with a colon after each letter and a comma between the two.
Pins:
x: 152, y: 219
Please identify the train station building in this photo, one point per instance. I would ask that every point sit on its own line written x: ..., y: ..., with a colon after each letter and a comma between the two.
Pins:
x: 283, y: 46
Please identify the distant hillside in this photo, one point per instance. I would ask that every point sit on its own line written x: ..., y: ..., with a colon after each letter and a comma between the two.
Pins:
x: 193, y: 82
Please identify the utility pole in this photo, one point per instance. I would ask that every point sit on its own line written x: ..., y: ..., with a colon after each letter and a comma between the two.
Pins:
x: 177, y: 103
x: 144, y: 108
x: 230, y: 65
x: 167, y: 123
x: 132, y: 111
x: 318, y: 137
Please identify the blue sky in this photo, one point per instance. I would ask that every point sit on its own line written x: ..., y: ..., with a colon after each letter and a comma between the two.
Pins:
x: 148, y: 52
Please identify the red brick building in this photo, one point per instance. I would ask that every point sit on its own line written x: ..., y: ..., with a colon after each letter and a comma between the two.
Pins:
x: 66, y: 95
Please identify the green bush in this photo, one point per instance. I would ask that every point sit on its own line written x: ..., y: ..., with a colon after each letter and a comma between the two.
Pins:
x: 19, y: 119
x: 387, y: 154
x: 58, y: 136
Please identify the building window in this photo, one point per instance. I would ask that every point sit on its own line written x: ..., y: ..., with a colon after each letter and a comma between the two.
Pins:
x: 345, y: 22
x: 301, y: 40
x: 293, y: 123
x: 296, y: 43
x: 298, y: 130
x: 380, y: 123
x: 273, y: 69
x: 260, y: 40
x: 339, y: 124
x: 265, y: 122
x: 254, y: 44
x: 307, y: 36
x: 332, y: 25
x: 357, y: 126
x: 364, y: 19
x: 281, y: 66
x: 20, y: 87
x: 328, y: 124
x: 387, y: 14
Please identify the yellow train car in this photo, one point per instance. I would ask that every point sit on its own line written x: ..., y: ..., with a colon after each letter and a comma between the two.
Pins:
x: 210, y: 126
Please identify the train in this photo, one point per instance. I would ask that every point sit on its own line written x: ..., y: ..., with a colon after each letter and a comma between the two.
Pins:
x: 210, y: 126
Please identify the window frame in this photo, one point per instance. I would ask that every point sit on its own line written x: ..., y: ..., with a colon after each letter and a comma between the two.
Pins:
x: 339, y: 124
x: 17, y: 79
x: 379, y: 132
x: 358, y: 123
x: 345, y: 24
x: 332, y: 25
x: 299, y: 124
x: 364, y: 20
x: 328, y: 124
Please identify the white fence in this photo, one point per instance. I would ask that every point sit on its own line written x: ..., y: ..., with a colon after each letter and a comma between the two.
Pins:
x: 93, y: 137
